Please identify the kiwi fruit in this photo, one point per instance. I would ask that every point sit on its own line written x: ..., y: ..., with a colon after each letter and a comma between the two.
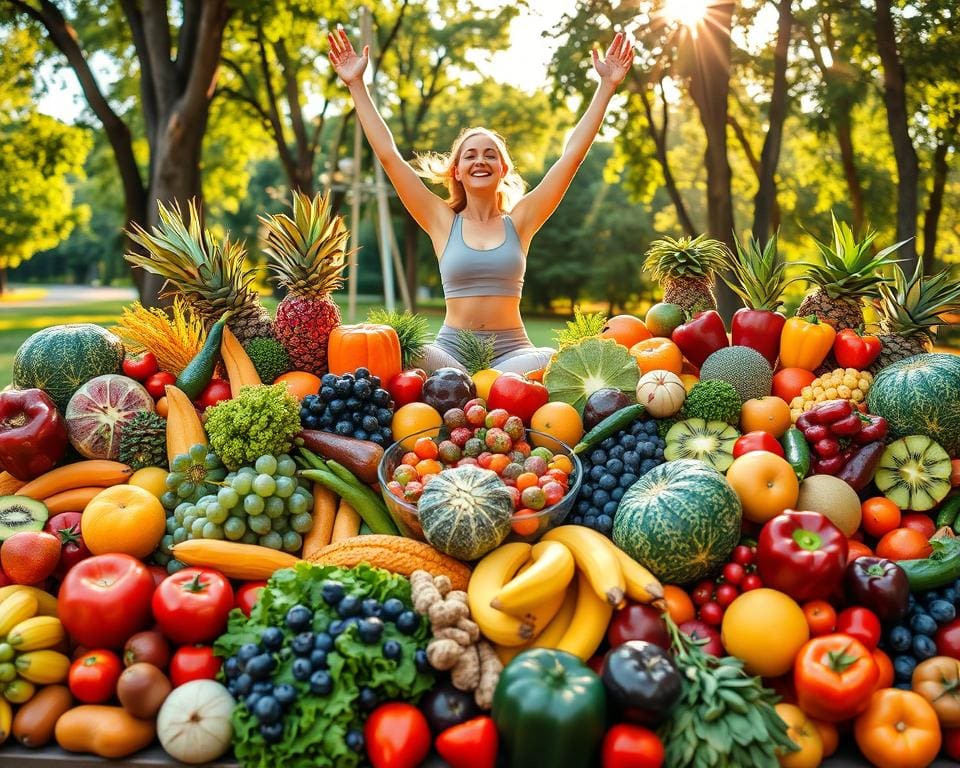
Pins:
x: 19, y: 513
x: 708, y: 441
x: 914, y: 473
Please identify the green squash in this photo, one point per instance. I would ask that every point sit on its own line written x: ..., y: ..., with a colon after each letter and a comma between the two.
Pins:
x: 61, y: 358
x: 681, y: 520
x: 920, y: 395
x: 465, y: 512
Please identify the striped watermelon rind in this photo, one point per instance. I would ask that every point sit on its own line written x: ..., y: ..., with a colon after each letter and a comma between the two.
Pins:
x: 920, y: 395
x: 681, y: 520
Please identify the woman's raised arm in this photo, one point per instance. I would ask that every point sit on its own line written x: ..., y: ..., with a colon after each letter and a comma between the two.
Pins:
x: 429, y: 211
x: 539, y: 203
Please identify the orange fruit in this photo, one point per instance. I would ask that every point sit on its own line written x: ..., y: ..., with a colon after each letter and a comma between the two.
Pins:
x: 765, y: 414
x: 904, y: 544
x: 657, y: 354
x: 123, y: 518
x: 879, y: 516
x: 558, y: 420
x: 300, y: 383
x: 857, y: 549
x: 689, y: 381
x: 527, y: 480
x: 162, y: 407
x: 765, y: 483
x: 679, y: 605
x: 829, y: 735
x: 483, y: 380
x: 153, y: 479
x: 412, y: 418
x: 625, y: 329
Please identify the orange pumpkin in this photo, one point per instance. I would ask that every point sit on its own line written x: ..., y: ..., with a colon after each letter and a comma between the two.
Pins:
x: 765, y: 414
x: 365, y: 345
x: 625, y: 329
x: 765, y: 483
x: 900, y: 729
x: 657, y: 354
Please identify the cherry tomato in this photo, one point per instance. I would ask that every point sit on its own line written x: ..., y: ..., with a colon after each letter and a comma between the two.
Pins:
x: 948, y: 639
x: 140, y: 367
x: 246, y: 596
x: 216, y: 391
x: 861, y: 623
x: 821, y: 617
x: 703, y: 592
x: 751, y: 581
x: 93, y: 676
x: 711, y: 613
x: 156, y: 383
x: 919, y: 522
x: 742, y: 554
x: 726, y: 594
x: 396, y: 736
x: 632, y: 746
x: 733, y: 573
x: 757, y: 441
x: 194, y: 663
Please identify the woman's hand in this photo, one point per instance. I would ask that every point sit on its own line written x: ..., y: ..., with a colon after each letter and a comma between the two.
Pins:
x: 615, y: 65
x: 348, y: 65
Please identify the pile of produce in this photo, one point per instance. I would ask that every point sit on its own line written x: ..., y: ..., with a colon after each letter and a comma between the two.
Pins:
x: 278, y: 540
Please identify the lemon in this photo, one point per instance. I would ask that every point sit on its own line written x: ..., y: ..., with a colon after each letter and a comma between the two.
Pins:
x: 483, y: 380
x: 152, y: 479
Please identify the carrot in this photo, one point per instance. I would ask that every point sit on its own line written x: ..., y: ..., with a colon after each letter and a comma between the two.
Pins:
x: 324, y: 513
x: 347, y: 523
x: 9, y: 485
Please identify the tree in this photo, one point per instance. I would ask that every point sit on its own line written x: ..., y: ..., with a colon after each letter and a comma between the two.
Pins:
x: 38, y: 155
x: 176, y: 68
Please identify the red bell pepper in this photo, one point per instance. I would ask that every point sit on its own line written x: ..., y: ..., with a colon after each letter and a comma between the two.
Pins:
x: 855, y: 351
x: 835, y: 675
x: 758, y: 329
x: 758, y: 440
x: 802, y: 554
x: 33, y: 434
x: 471, y: 744
x: 701, y: 336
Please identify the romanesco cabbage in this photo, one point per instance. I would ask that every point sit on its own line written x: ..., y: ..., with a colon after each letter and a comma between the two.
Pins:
x: 260, y: 420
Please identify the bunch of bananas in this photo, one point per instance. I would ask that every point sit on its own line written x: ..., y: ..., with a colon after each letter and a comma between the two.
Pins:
x: 29, y: 630
x: 524, y: 596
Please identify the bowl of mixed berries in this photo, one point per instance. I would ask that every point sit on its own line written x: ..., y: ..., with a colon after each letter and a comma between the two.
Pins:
x: 542, y: 473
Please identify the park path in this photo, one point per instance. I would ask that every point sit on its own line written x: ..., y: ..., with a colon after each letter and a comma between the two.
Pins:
x: 54, y: 295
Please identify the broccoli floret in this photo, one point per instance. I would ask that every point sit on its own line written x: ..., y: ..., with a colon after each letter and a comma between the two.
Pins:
x: 713, y: 400
x: 260, y: 420
x: 269, y: 358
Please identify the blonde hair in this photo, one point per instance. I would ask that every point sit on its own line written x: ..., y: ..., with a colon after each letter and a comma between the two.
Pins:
x: 438, y: 168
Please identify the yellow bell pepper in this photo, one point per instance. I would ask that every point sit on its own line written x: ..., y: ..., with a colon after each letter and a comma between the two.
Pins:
x: 805, y: 342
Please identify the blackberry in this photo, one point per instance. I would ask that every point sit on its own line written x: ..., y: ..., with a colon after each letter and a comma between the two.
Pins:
x: 352, y: 405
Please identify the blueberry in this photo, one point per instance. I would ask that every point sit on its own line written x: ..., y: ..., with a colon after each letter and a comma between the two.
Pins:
x: 362, y: 390
x: 942, y: 611
x: 384, y: 416
x: 903, y: 667
x: 614, y: 467
x: 609, y: 509
x: 302, y: 669
x: 260, y: 667
x: 354, y: 741
x: 370, y: 423
x: 272, y: 733
x: 923, y: 647
x: 336, y: 406
x: 285, y: 694
x: 327, y: 394
x: 231, y: 668
x: 607, y: 444
x: 923, y: 624
x: 318, y: 659
x: 361, y: 434
x: 321, y: 684
x: 616, y: 494
x: 420, y: 660
x: 343, y: 387
x: 328, y: 379
x: 627, y: 479
x: 344, y: 428
x: 392, y: 608
x: 950, y: 595
x: 368, y: 699
x: 267, y: 710
x: 349, y: 606
x: 408, y: 622
x: 250, y: 702
x: 302, y: 644
x: 899, y: 639
x: 615, y: 453
x: 604, y: 523
x: 332, y: 592
x: 380, y: 398
x: 323, y: 642
x: 377, y: 438
x: 598, y: 457
x: 247, y: 651
x: 392, y: 650
x: 600, y: 497
x: 930, y: 596
x: 371, y: 607
x: 243, y: 684
x: 371, y: 629
x: 263, y: 687
x: 272, y: 638
x: 299, y: 618
x: 362, y: 373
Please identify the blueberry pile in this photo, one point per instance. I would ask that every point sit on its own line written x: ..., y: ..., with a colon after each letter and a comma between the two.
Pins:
x: 912, y: 640
x: 610, y: 469
x: 256, y: 673
x: 352, y: 405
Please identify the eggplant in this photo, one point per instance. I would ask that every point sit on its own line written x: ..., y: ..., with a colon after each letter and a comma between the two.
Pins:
x: 862, y: 466
x: 641, y: 681
x: 361, y: 457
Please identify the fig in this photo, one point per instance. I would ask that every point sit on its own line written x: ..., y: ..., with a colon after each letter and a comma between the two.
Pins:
x: 603, y: 403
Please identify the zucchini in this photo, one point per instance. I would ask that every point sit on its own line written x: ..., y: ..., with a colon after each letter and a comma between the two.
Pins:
x: 611, y: 425
x: 199, y: 370
x: 948, y: 513
x: 938, y: 570
x: 796, y: 451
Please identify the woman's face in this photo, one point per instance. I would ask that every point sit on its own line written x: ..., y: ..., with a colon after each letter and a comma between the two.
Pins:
x: 480, y: 166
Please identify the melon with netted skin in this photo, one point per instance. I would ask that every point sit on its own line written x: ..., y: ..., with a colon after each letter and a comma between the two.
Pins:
x: 98, y: 411
x: 580, y: 369
x: 743, y: 368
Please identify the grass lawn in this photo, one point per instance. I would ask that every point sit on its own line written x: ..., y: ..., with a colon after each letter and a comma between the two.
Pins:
x: 17, y: 324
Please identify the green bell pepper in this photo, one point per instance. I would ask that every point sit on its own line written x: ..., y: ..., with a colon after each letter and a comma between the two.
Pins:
x: 550, y: 710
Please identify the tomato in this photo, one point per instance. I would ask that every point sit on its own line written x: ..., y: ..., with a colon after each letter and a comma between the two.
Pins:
x: 93, y: 676
x: 216, y: 391
x: 919, y: 522
x: 159, y: 573
x: 903, y: 544
x: 156, y: 383
x: 787, y: 382
x: 471, y: 744
x: 246, y: 597
x: 397, y: 736
x: 835, y: 676
x: 192, y: 605
x: 948, y: 639
x: 151, y: 647
x: 105, y: 599
x: 140, y: 367
x: 66, y: 527
x: 405, y: 387
x: 821, y: 617
x: 885, y: 665
x: 951, y: 742
x: 857, y: 549
x: 804, y: 734
x: 879, y: 515
x: 632, y: 746
x: 757, y: 441
x: 194, y: 662
x: 898, y: 726
x: 861, y: 623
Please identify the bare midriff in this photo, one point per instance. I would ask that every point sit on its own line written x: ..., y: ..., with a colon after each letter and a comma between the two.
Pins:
x: 484, y: 313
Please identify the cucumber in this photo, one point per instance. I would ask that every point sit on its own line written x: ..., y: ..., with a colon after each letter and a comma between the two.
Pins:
x: 611, y: 425
x: 796, y: 451
x: 938, y: 570
x: 948, y: 513
x: 200, y: 370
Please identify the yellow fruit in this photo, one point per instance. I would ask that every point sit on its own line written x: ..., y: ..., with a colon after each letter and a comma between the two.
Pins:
x: 689, y: 381
x: 833, y: 499
x: 151, y: 479
x: 124, y: 518
x: 802, y: 732
x: 558, y: 420
x: 483, y: 380
x: 766, y: 629
x: 412, y: 418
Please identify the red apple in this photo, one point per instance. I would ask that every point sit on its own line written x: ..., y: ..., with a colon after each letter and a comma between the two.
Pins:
x: 699, y: 630
x: 518, y: 395
x: 637, y: 622
x: 405, y: 387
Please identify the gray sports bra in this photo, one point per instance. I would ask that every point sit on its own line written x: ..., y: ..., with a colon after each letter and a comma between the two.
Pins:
x: 466, y: 271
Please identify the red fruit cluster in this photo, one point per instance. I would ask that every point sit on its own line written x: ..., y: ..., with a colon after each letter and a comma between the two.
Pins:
x: 739, y: 575
x: 838, y: 433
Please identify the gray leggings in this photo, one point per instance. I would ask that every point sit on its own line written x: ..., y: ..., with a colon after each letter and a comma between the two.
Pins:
x: 512, y: 351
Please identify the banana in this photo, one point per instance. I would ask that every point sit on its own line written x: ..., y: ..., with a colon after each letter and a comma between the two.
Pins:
x: 36, y: 633
x: 487, y: 579
x: 641, y: 585
x: 6, y: 719
x: 551, y: 570
x: 46, y: 603
x: 18, y: 607
x: 551, y: 633
x: 43, y: 667
x: 594, y: 559
x: 589, y: 623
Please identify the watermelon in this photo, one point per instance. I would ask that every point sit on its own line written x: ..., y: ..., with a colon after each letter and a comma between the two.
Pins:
x: 920, y: 395
x: 681, y: 520
x: 61, y: 358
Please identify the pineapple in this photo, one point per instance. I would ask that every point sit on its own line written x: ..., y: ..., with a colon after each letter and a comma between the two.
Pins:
x: 581, y: 327
x: 911, y: 310
x: 759, y: 274
x: 685, y: 269
x: 308, y: 256
x: 475, y: 352
x: 412, y: 330
x: 210, y: 275
x: 849, y: 273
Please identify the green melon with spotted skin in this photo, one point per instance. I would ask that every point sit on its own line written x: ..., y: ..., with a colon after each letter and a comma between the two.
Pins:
x: 61, y: 358
x: 681, y: 520
x: 920, y: 395
x: 465, y: 511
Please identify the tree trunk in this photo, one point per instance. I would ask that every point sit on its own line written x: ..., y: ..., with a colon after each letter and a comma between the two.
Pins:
x: 895, y: 97
x: 848, y: 161
x: 931, y: 219
x: 3, y: 280
x: 765, y: 209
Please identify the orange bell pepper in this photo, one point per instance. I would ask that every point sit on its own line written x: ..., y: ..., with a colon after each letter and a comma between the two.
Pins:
x: 898, y: 730
x: 835, y: 676
x: 805, y: 342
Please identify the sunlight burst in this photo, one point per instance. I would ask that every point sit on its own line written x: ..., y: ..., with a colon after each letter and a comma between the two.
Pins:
x: 687, y: 12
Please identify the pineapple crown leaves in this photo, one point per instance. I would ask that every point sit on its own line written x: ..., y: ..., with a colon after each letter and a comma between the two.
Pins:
x: 760, y: 274
x: 412, y: 330
x: 474, y: 351
x: 698, y: 257
x: 914, y: 305
x: 849, y: 267
x: 581, y: 327
x: 308, y: 251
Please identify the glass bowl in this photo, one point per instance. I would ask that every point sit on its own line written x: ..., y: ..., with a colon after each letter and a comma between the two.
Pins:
x: 527, y: 528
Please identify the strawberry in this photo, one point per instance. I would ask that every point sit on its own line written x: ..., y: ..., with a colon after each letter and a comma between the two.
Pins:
x: 30, y: 557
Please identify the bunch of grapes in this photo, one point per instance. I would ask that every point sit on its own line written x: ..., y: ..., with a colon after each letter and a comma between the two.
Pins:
x: 263, y: 504
x: 352, y: 405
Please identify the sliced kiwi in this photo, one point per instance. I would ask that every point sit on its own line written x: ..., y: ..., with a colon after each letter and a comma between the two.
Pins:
x: 914, y: 473
x: 19, y: 513
x: 708, y: 441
